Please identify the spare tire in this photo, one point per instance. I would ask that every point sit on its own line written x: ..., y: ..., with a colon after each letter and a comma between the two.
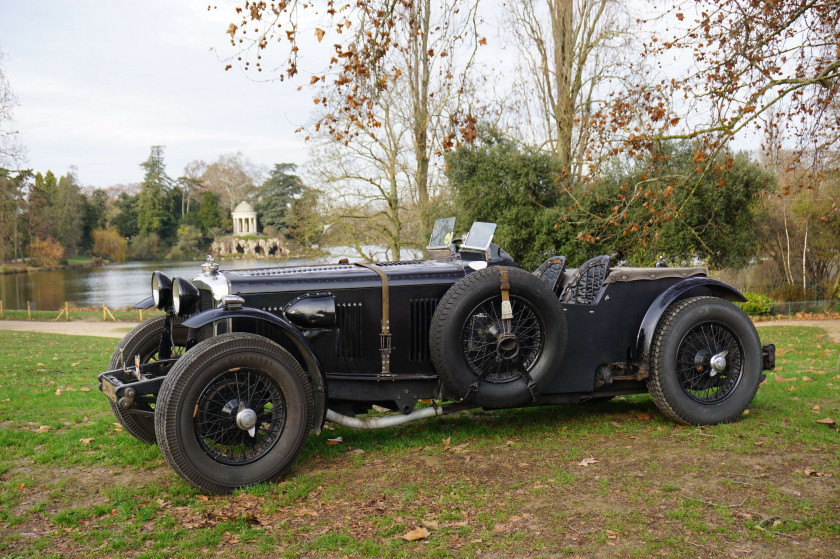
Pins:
x: 477, y: 359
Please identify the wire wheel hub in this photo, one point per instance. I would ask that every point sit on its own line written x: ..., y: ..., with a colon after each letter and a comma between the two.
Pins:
x: 709, y: 363
x: 239, y: 416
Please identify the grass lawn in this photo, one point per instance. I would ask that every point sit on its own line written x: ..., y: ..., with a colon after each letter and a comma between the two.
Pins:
x: 489, y: 484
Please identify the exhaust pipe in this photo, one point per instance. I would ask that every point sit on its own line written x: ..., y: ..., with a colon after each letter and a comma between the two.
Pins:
x: 392, y: 420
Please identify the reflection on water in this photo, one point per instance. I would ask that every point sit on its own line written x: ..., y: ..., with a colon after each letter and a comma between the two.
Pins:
x: 121, y: 285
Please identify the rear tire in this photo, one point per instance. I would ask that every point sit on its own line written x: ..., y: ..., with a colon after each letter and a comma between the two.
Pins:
x: 705, y: 362
x: 143, y: 340
x: 235, y: 410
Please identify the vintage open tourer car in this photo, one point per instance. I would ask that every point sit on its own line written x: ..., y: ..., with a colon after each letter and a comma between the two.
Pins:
x: 246, y: 363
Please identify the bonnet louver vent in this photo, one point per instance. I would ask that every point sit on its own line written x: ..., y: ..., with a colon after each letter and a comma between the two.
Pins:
x: 349, y: 321
x: 420, y: 318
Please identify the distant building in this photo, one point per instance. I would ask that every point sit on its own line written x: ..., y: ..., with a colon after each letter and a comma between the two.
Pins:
x: 244, y: 219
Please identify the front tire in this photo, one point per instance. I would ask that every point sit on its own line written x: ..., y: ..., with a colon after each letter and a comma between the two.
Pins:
x: 143, y: 340
x: 235, y: 410
x: 705, y: 362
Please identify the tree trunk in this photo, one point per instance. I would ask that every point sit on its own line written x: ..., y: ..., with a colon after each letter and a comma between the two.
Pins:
x: 562, y: 26
x: 419, y: 76
x: 804, y: 259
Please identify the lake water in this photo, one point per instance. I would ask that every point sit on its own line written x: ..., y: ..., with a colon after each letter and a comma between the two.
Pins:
x: 124, y: 284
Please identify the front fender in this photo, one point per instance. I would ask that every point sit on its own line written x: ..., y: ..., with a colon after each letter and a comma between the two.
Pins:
x: 691, y: 287
x: 319, y: 385
x: 146, y: 303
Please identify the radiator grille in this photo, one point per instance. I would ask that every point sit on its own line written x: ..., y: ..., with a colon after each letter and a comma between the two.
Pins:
x: 420, y: 318
x: 205, y: 301
x: 349, y: 319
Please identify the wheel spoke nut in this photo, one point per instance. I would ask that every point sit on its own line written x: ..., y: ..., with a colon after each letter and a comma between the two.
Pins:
x: 718, y: 363
x: 246, y: 419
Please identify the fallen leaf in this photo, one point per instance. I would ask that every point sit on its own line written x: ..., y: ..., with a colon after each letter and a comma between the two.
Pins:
x: 745, y: 412
x: 356, y: 451
x: 43, y: 429
x: 827, y: 421
x: 815, y: 408
x: 446, y: 443
x: 813, y: 473
x: 202, y: 497
x: 643, y: 416
x: 84, y: 389
x: 615, y: 423
x: 86, y: 441
x: 335, y: 441
x: 40, y: 364
x: 432, y: 524
x: 807, y: 379
x: 74, y: 364
x: 587, y: 462
x: 418, y: 533
x: 58, y: 392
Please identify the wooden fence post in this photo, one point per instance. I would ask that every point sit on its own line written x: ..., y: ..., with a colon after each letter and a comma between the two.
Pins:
x: 66, y: 311
x: 28, y: 311
x: 141, y: 315
x: 1, y: 309
x: 104, y: 318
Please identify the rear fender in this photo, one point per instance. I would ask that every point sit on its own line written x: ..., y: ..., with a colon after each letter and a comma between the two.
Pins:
x: 691, y: 287
x: 290, y: 333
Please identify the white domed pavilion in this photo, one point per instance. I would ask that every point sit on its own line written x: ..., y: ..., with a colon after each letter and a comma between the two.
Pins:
x: 244, y: 219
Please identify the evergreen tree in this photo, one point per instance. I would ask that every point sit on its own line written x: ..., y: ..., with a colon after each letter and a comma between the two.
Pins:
x: 276, y: 196
x: 210, y: 213
x: 154, y: 214
x: 126, y: 219
x: 41, y: 206
x: 69, y: 213
x: 94, y: 216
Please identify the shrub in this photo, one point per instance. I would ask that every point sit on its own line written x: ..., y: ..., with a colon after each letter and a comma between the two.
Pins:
x: 45, y: 252
x: 110, y: 244
x: 145, y: 247
x: 757, y: 304
x: 189, y: 245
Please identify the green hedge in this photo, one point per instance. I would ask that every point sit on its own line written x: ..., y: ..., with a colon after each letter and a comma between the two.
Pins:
x: 757, y: 304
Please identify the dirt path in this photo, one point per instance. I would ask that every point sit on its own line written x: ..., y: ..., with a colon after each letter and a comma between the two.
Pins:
x: 73, y: 328
x: 832, y: 327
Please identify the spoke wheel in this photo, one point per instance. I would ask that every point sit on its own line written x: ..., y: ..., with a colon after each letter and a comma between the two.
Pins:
x: 240, y: 416
x: 235, y: 410
x: 699, y: 360
x: 494, y: 354
x: 491, y: 362
x: 705, y: 362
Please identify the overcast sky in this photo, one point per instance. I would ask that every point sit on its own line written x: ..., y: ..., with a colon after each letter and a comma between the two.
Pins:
x: 99, y: 82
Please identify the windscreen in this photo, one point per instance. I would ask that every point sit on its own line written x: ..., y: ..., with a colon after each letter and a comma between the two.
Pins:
x: 480, y: 236
x: 442, y: 233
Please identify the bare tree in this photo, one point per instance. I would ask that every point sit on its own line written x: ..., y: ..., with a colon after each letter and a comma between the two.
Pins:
x: 11, y: 152
x: 191, y: 183
x: 406, y: 61
x: 232, y: 177
x: 570, y: 50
